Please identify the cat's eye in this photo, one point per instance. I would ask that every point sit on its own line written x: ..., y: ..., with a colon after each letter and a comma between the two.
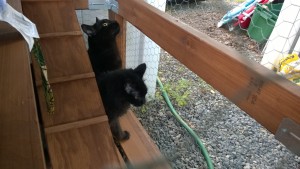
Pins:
x: 105, y: 24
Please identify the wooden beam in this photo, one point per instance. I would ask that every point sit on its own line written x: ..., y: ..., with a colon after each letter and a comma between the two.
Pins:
x: 121, y: 38
x: 81, y: 4
x: 20, y: 143
x: 261, y: 93
x: 67, y: 78
x: 20, y: 137
x: 59, y: 34
x: 144, y: 151
x: 77, y: 124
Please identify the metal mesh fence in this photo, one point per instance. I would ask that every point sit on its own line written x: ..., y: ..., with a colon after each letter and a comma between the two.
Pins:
x: 141, y: 49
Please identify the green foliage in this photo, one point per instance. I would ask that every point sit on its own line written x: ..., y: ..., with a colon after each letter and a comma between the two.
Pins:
x: 144, y: 108
x: 179, y: 92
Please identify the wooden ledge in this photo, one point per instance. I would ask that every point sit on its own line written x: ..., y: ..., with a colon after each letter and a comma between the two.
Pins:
x: 60, y: 34
x: 68, y: 78
x: 140, y: 148
x: 77, y: 124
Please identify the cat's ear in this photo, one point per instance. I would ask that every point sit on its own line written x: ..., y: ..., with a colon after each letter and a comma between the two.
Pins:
x: 140, y: 70
x: 89, y: 30
x: 97, y: 19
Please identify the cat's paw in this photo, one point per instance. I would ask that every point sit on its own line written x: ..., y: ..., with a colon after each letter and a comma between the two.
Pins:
x: 125, y: 136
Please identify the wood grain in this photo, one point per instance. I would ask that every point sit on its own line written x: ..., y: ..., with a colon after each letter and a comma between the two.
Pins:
x: 68, y: 78
x: 76, y: 124
x: 81, y: 4
x: 265, y: 96
x: 121, y: 37
x: 20, y: 138
x: 64, y: 56
x: 88, y: 147
x: 47, y: 21
x: 74, y: 101
x: 59, y: 34
x: 140, y: 148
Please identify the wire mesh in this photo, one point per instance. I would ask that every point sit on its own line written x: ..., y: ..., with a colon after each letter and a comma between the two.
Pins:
x: 141, y: 49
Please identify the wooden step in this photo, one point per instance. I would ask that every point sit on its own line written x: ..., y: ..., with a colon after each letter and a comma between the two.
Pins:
x: 140, y: 148
x: 78, y: 134
x: 83, y: 147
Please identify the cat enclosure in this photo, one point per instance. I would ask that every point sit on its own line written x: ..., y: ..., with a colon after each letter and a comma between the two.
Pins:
x: 77, y: 135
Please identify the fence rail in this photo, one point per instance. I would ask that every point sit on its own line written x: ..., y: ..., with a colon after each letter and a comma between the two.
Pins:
x: 265, y: 96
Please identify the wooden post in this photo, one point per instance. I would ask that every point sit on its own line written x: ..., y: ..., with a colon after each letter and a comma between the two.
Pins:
x: 121, y: 38
x: 20, y: 137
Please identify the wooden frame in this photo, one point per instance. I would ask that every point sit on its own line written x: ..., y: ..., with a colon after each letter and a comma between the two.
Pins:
x: 21, y: 143
x: 264, y: 95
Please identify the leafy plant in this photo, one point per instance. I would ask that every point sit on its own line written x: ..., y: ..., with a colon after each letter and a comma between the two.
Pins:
x: 179, y: 92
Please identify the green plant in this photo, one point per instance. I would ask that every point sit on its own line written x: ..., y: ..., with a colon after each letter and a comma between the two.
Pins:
x: 179, y: 91
x: 144, y: 108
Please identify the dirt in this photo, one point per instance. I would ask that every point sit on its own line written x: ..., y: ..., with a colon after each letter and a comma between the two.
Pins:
x: 204, y: 16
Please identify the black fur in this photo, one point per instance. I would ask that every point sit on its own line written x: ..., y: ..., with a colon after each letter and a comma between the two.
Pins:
x: 119, y: 89
x: 103, y: 51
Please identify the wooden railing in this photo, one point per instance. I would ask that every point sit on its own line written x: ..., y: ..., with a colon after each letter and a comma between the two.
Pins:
x: 265, y: 96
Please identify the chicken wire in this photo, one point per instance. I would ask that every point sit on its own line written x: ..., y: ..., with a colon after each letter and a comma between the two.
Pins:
x: 285, y: 35
x: 141, y: 49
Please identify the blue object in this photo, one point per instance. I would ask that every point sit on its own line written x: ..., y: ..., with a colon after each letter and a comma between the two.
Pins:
x: 236, y: 11
x: 2, y: 5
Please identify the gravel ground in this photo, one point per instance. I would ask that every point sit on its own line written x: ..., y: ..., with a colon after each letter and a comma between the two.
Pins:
x: 232, y: 138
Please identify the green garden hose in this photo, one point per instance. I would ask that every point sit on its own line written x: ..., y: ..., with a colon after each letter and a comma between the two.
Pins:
x: 183, y: 123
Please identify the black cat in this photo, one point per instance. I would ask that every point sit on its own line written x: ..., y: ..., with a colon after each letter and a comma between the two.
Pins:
x: 103, y: 51
x: 119, y: 89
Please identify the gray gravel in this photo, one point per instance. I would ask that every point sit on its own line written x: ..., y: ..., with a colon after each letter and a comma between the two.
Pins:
x: 233, y: 139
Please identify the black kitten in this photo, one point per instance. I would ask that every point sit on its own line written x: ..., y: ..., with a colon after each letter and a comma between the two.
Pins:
x: 103, y: 51
x: 119, y: 89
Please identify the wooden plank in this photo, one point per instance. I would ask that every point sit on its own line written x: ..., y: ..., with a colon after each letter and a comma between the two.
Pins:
x: 121, y: 37
x: 74, y: 101
x: 77, y: 124
x: 88, y: 147
x: 78, y: 134
x: 20, y: 143
x: 45, y: 0
x: 58, y: 34
x: 144, y: 150
x: 68, y: 78
x: 52, y: 16
x: 64, y: 56
x: 81, y: 4
x: 261, y: 93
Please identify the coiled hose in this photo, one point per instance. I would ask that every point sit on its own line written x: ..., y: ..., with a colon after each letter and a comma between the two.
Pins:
x: 186, y: 126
